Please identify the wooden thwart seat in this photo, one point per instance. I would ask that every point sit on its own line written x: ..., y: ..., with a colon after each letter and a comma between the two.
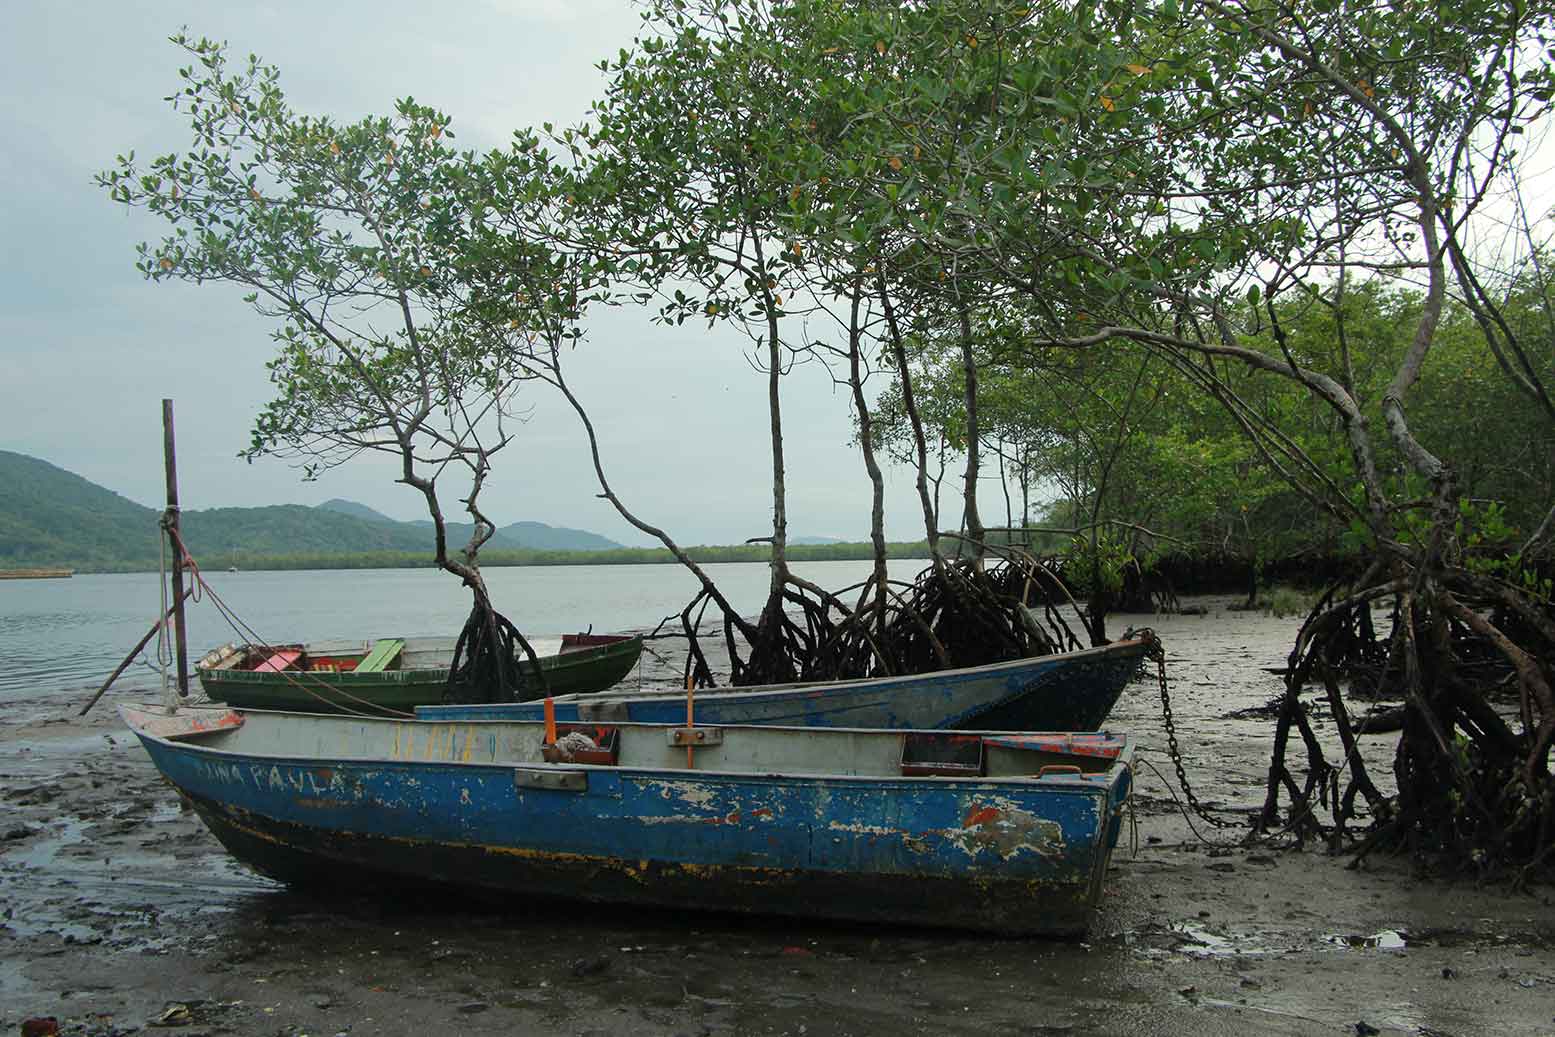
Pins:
x: 382, y: 656
x: 280, y: 659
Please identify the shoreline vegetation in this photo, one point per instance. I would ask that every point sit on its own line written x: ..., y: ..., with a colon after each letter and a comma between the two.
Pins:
x: 502, y: 559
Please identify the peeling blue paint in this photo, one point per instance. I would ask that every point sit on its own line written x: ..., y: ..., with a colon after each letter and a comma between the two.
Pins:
x: 1021, y: 854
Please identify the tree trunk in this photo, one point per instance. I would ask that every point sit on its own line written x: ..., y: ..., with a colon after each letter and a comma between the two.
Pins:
x: 779, y: 493
x: 974, y: 521
x: 1097, y: 604
x: 871, y: 465
x: 920, y: 443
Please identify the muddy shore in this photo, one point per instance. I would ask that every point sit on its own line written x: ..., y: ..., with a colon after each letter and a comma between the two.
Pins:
x: 121, y: 914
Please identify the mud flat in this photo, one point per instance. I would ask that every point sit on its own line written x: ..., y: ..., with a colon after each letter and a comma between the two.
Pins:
x: 120, y: 913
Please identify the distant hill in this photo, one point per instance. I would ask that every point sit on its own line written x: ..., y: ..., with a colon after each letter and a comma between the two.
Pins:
x: 294, y: 529
x: 817, y: 540
x: 540, y: 536
x: 53, y: 518
x: 351, y: 507
x: 534, y: 535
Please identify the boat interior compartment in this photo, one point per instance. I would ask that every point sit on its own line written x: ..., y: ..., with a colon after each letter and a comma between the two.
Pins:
x: 728, y: 749
x: 227, y: 657
x: 342, y: 655
x: 1090, y: 751
x: 596, y: 744
x: 942, y: 754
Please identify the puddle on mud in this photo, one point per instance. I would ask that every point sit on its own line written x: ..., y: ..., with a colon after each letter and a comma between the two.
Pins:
x: 1386, y: 940
x: 1399, y: 1015
x: 75, y: 881
x: 1192, y: 940
x: 41, y: 853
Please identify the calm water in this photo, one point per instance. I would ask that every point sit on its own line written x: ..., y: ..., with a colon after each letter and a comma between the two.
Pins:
x: 68, y: 635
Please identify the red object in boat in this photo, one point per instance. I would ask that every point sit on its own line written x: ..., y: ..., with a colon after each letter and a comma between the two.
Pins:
x: 284, y: 659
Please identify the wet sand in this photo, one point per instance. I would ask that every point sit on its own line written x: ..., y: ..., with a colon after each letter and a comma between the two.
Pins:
x: 121, y: 912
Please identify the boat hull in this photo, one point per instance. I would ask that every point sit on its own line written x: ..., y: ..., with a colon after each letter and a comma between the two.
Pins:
x: 1074, y: 691
x: 573, y: 672
x: 1019, y: 857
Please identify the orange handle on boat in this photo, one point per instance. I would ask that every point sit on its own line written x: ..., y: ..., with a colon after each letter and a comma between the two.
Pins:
x: 550, y: 721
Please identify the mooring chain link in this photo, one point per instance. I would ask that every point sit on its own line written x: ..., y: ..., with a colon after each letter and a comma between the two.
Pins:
x: 1157, y: 651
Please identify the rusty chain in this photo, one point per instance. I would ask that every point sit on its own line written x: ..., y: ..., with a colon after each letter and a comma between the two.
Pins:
x: 1157, y: 651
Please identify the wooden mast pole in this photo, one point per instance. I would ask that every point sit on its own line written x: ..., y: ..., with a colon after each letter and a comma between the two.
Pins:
x: 170, y: 523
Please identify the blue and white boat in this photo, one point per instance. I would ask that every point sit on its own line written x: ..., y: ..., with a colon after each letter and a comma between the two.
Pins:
x: 1071, y: 691
x: 1006, y: 832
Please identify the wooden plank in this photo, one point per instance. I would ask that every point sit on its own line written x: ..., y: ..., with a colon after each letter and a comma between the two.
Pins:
x: 384, y: 652
x: 285, y: 659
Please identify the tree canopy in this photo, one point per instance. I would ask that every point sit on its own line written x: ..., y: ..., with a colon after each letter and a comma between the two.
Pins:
x: 1210, y: 275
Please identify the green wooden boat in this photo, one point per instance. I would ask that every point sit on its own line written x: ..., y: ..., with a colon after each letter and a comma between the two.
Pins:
x: 393, y: 673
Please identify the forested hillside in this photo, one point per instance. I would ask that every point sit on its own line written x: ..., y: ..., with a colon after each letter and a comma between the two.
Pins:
x: 51, y: 517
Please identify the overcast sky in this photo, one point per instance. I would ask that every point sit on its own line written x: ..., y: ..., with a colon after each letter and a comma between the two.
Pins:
x: 90, y: 348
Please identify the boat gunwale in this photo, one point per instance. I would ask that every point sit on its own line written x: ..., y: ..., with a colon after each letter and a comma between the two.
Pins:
x: 1084, y: 783
x: 758, y: 691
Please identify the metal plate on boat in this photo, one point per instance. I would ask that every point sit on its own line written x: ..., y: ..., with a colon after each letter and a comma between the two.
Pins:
x: 696, y: 736
x: 552, y: 779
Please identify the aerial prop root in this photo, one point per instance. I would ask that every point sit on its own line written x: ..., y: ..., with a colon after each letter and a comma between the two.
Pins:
x: 1474, y: 789
x: 485, y: 666
x: 953, y: 614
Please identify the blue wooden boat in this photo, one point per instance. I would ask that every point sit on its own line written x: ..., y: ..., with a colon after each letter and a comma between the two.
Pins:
x: 1073, y: 691
x: 1006, y: 832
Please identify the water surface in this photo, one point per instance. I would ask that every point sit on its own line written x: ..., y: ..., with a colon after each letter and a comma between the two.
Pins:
x: 67, y: 634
